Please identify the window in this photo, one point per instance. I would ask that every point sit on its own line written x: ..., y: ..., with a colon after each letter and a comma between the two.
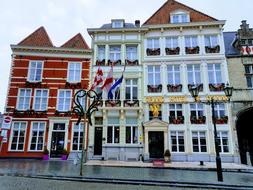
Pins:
x: 173, y: 74
x: 197, y: 110
x: 101, y: 53
x: 155, y: 111
x: 177, y: 141
x: 24, y: 97
x: 131, y: 53
x: 193, y: 74
x: 131, y: 89
x: 113, y: 130
x: 115, y: 53
x: 199, y: 141
x: 77, y: 139
x: 131, y: 131
x: 191, y: 41
x: 40, y: 100
x: 211, y: 41
x: 64, y: 100
x: 117, y: 23
x: 219, y: 110
x: 35, y: 71
x: 223, y: 141
x: 154, y: 75
x: 37, y: 136
x: 176, y: 114
x: 153, y: 43
x: 171, y: 42
x: 74, y: 72
x: 81, y: 98
x: 249, y: 75
x: 18, y: 136
x: 180, y: 18
x: 214, y: 73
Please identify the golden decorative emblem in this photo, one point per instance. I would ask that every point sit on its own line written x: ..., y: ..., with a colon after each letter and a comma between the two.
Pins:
x: 155, y: 108
x: 177, y: 99
x: 155, y: 99
x: 217, y: 98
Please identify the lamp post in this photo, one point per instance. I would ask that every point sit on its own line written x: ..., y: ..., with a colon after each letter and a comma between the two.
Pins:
x: 228, y: 90
x: 84, y: 110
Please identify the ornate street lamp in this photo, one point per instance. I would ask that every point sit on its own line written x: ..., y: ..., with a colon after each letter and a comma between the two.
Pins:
x: 84, y: 109
x: 228, y: 90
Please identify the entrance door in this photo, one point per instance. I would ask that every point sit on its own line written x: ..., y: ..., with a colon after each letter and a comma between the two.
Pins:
x: 156, y: 144
x: 98, y: 141
x: 57, y: 140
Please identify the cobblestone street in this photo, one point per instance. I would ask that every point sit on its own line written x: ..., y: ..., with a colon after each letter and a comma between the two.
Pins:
x: 66, y: 169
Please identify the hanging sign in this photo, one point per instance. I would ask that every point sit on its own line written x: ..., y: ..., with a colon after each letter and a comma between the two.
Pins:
x: 7, y: 122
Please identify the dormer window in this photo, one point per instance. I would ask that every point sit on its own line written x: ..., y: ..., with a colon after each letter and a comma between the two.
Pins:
x: 179, y: 17
x: 117, y: 23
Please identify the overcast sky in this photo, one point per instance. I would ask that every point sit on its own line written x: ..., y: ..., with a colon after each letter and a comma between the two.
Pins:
x: 65, y: 18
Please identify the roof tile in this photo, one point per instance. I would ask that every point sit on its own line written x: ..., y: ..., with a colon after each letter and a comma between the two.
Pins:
x: 162, y: 15
x: 76, y: 42
x: 38, y: 38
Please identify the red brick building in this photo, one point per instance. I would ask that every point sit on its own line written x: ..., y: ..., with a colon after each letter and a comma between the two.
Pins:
x: 42, y: 83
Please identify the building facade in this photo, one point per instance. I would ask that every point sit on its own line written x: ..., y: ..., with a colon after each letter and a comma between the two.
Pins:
x: 42, y: 83
x: 239, y: 54
x: 177, y: 48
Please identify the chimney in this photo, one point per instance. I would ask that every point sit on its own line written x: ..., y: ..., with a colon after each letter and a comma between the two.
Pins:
x: 137, y: 23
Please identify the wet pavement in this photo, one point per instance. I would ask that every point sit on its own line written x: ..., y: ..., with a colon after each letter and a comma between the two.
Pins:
x: 67, y: 168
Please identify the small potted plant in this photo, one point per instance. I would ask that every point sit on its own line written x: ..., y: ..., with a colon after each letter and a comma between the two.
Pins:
x: 64, y: 155
x: 167, y: 156
x: 45, y: 154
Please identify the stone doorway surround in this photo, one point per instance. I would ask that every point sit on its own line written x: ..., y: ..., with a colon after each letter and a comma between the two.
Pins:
x: 154, y: 125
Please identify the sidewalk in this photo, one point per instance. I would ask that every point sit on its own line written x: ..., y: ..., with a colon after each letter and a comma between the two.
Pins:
x: 172, y: 165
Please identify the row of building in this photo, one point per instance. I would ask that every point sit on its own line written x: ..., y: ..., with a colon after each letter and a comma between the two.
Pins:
x: 175, y: 49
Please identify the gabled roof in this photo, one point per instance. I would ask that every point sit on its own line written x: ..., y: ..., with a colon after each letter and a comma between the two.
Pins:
x: 162, y: 15
x: 38, y: 38
x: 77, y: 42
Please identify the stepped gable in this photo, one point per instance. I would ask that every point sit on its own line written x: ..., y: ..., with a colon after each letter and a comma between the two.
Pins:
x: 38, y: 38
x: 76, y: 42
x: 162, y: 15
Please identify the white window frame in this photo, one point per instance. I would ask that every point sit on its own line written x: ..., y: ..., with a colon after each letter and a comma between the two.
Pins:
x: 30, y: 72
x: 80, y: 130
x: 131, y: 86
x: 113, y: 133
x: 220, y: 136
x: 117, y: 23
x: 19, y: 96
x: 214, y: 72
x: 195, y: 72
x: 40, y: 99
x: 131, y: 131
x: 11, y: 137
x: 218, y: 108
x: 198, y: 107
x: 100, y: 56
x: 115, y: 55
x: 76, y: 72
x: 130, y: 54
x: 58, y: 96
x: 177, y: 134
x: 174, y: 72
x: 153, y: 43
x: 210, y: 40
x: 154, y: 73
x: 31, y: 135
x: 176, y: 109
x: 171, y: 42
x: 249, y: 75
x: 198, y: 138
x: 180, y: 18
x: 192, y: 41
